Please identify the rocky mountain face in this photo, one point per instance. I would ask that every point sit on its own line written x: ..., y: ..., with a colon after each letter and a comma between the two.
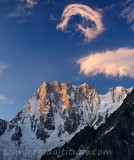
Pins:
x: 113, y: 140
x: 3, y: 126
x: 53, y: 115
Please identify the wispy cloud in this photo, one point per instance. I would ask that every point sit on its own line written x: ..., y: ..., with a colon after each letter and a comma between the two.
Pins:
x: 3, y: 66
x: 31, y: 3
x: 52, y: 17
x: 22, y: 21
x: 110, y: 7
x: 128, y: 12
x: 119, y: 62
x: 92, y: 16
x: 6, y: 100
x: 23, y: 8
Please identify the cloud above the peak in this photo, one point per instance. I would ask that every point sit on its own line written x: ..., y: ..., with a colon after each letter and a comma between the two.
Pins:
x: 119, y: 62
x: 94, y: 25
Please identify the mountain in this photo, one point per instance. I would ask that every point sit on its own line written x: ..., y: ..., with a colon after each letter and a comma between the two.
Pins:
x: 113, y: 140
x: 55, y: 114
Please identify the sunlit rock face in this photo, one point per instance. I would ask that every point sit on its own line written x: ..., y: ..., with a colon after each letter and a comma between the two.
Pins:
x: 64, y: 106
x: 54, y: 114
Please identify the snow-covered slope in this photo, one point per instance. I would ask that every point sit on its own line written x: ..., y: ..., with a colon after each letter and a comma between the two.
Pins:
x: 52, y: 116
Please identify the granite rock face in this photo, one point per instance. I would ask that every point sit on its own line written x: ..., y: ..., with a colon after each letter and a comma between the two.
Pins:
x: 17, y: 134
x: 3, y: 126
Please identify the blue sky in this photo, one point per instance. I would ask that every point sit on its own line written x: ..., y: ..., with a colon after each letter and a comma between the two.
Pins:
x: 32, y: 50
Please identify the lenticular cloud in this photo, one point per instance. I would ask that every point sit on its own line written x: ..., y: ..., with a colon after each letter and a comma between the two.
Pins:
x: 114, y: 63
x: 86, y: 13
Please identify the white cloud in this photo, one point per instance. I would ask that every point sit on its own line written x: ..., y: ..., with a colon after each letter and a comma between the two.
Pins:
x: 3, y: 66
x: 119, y: 62
x: 31, y: 3
x: 23, y: 8
x: 128, y: 13
x: 88, y: 14
x: 6, y: 100
x: 52, y: 17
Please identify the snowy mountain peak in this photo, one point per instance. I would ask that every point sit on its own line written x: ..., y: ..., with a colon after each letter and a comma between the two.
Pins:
x: 84, y: 85
x: 55, y: 113
x: 118, y: 94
